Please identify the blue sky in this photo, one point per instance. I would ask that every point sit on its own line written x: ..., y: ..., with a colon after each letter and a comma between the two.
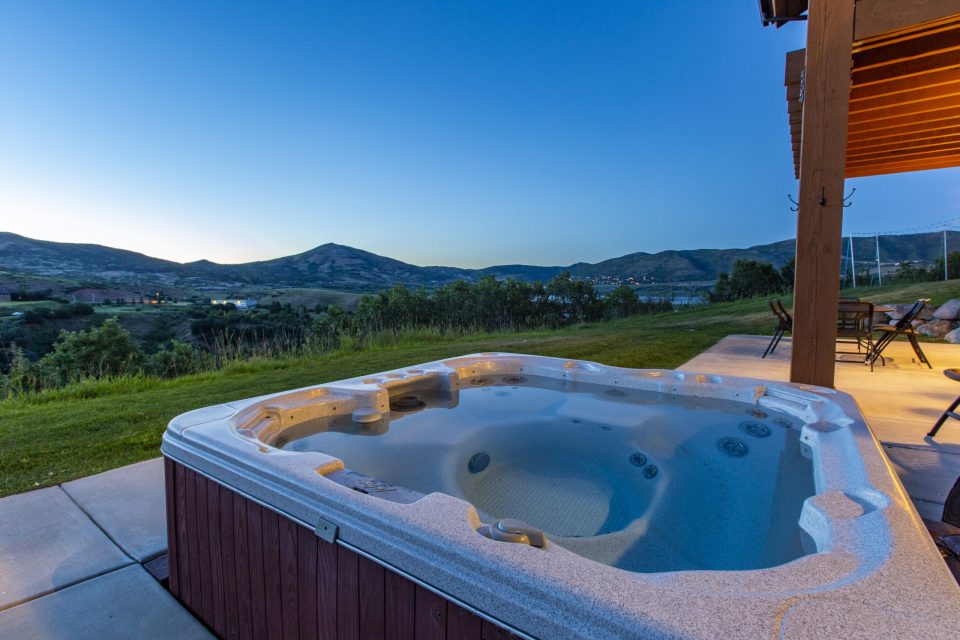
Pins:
x: 457, y: 133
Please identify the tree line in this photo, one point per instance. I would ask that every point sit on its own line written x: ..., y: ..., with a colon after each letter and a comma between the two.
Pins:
x: 222, y: 334
x: 752, y: 279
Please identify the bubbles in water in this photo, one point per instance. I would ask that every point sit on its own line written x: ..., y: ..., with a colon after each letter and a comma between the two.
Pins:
x: 478, y: 462
x: 755, y: 429
x: 733, y: 447
x: 637, y: 459
x: 650, y: 471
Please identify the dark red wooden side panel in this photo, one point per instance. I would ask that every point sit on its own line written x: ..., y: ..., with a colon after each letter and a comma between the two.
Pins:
x: 327, y: 570
x: 228, y: 559
x: 258, y: 598
x: 192, y: 521
x: 463, y: 625
x: 289, y: 578
x: 242, y: 565
x: 430, y: 615
x: 215, y: 549
x: 370, y: 576
x: 348, y: 595
x: 170, y: 481
x: 270, y: 526
x: 250, y: 574
x: 203, y: 547
x: 307, y: 582
x: 399, y: 600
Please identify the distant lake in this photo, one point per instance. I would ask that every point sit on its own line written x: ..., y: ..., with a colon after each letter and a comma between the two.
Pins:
x: 677, y: 300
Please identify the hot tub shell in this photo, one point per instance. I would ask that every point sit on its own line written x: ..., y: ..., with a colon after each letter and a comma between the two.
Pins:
x: 256, y: 534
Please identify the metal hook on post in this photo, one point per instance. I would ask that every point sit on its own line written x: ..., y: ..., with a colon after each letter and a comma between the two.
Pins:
x: 823, y: 196
x: 796, y: 208
x: 846, y: 200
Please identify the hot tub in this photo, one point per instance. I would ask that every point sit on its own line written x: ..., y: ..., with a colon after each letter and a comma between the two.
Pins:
x: 497, y: 493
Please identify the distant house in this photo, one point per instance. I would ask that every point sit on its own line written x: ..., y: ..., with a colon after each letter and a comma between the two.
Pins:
x: 241, y: 305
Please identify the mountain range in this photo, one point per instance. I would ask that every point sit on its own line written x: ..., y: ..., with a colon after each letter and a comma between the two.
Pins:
x: 340, y: 267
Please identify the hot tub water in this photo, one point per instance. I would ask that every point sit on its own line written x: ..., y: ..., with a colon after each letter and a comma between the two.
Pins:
x: 635, y: 479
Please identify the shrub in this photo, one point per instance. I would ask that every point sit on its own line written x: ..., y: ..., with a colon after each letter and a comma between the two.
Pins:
x: 750, y: 279
x: 176, y: 359
x: 97, y: 352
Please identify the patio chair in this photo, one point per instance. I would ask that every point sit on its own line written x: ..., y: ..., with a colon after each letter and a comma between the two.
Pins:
x: 855, y: 326
x: 953, y: 374
x: 784, y: 325
x: 946, y: 533
x: 904, y: 327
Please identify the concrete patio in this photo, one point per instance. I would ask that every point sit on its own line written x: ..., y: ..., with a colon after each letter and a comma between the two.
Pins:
x: 84, y: 559
x: 76, y: 560
x: 900, y: 401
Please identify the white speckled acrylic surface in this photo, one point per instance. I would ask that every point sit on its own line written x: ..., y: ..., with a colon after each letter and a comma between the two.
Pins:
x: 874, y: 566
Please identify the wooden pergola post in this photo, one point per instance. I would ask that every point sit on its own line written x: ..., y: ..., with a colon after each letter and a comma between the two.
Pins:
x: 826, y: 93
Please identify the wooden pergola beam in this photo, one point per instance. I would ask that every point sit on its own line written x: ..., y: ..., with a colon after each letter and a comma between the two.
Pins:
x: 876, y: 17
x: 922, y: 45
x: 927, y: 154
x: 914, y: 144
x: 944, y: 134
x: 943, y: 162
x: 918, y: 97
x: 908, y: 120
x: 907, y: 68
x: 911, y: 129
x: 897, y: 86
x: 910, y: 109
x: 822, y: 169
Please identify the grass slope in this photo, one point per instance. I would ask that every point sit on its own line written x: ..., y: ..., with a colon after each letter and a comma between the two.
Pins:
x: 87, y: 428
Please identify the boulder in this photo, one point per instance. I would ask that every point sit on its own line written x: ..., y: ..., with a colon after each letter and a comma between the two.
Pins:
x: 899, y: 310
x: 949, y: 310
x: 953, y: 336
x: 936, y: 328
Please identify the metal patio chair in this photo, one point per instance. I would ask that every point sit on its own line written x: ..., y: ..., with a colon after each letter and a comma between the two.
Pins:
x: 946, y: 533
x: 784, y: 325
x: 904, y: 327
x: 953, y: 374
x: 855, y: 326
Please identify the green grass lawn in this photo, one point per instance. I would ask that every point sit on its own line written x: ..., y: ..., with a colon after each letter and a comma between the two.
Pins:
x: 88, y: 428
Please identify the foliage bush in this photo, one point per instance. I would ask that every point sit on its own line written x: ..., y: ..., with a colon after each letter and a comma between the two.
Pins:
x: 177, y: 359
x: 751, y: 279
x: 97, y: 352
x: 912, y: 272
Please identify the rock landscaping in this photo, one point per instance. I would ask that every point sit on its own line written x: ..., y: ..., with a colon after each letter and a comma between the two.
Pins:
x: 942, y: 322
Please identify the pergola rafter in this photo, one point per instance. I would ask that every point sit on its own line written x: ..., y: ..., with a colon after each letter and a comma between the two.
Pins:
x: 904, y: 104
